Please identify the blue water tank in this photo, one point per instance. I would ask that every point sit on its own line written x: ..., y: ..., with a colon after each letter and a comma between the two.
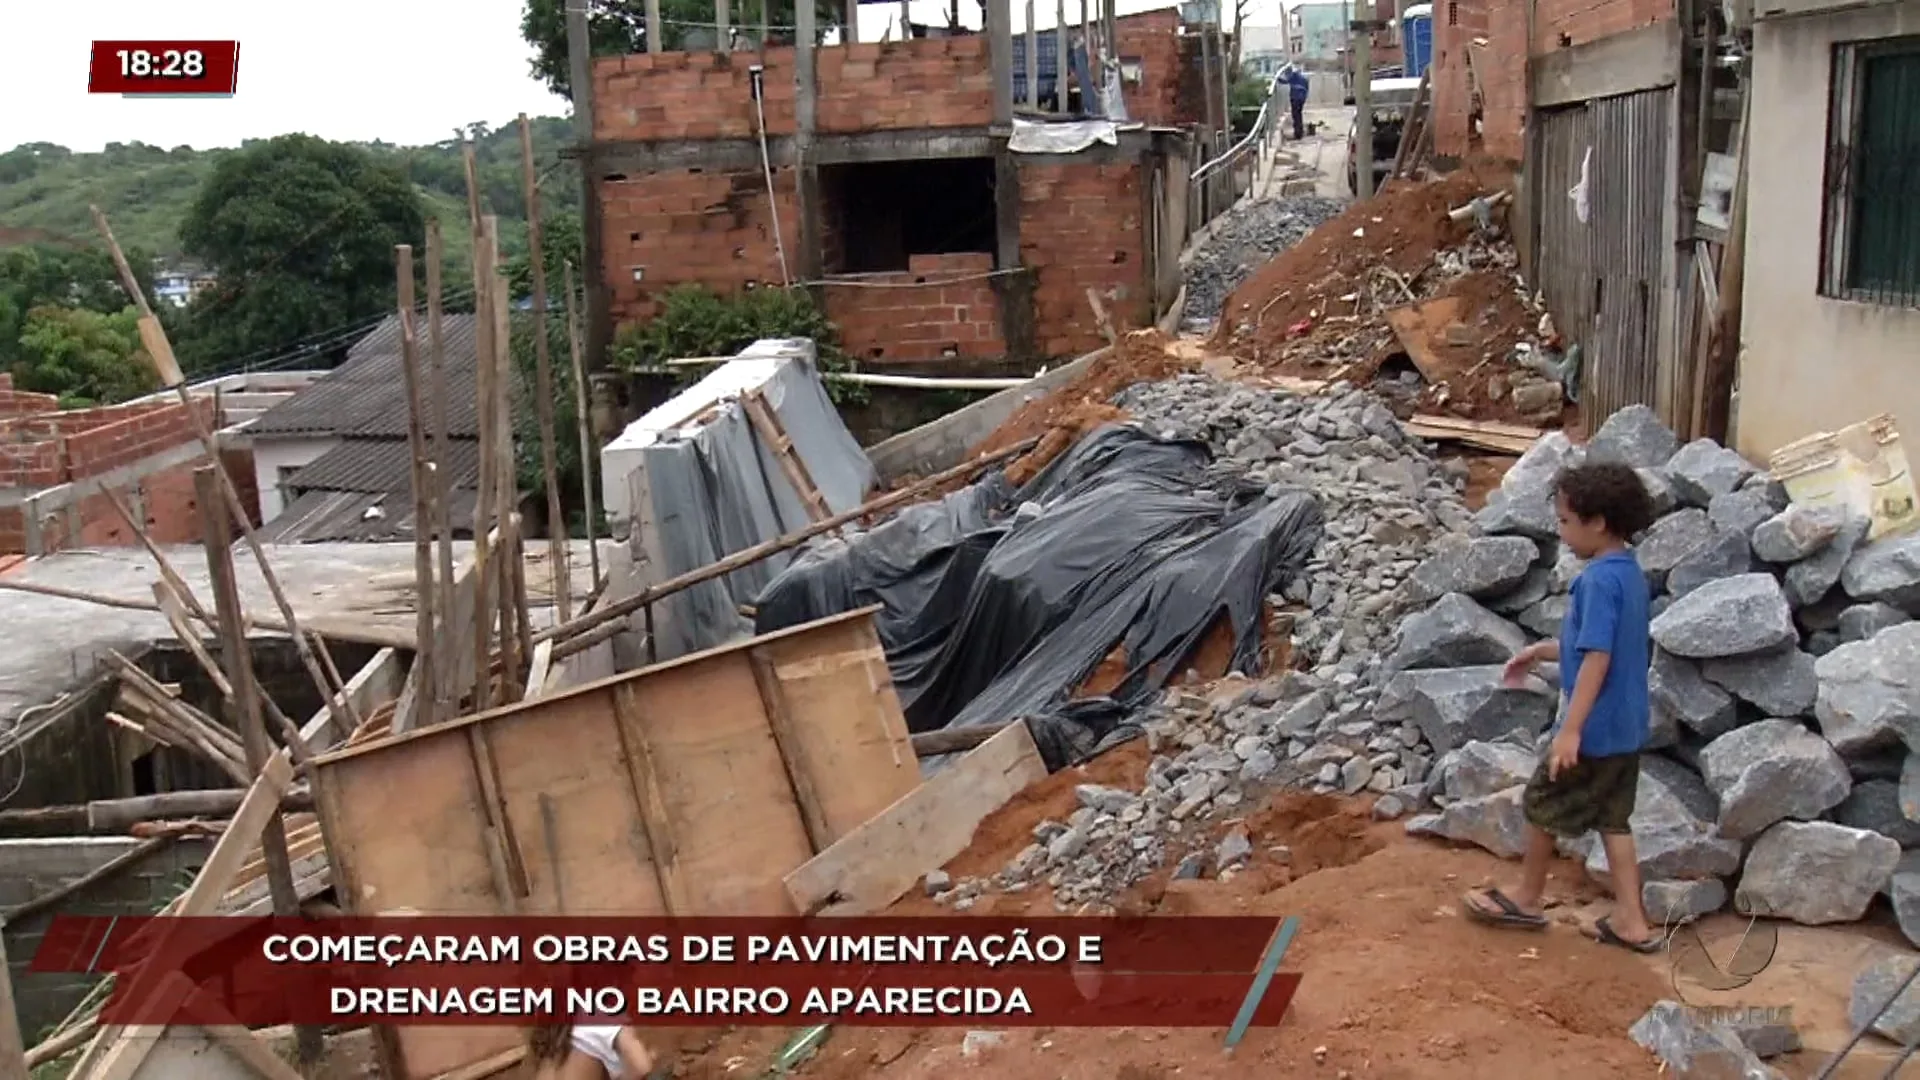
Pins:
x: 1417, y: 32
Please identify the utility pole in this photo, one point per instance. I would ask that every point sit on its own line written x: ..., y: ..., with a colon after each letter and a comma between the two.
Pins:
x: 1360, y: 30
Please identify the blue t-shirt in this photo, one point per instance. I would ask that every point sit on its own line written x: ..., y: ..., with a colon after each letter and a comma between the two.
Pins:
x: 1608, y: 614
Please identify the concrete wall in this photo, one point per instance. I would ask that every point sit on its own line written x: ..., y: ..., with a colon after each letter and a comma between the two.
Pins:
x: 1809, y: 363
x: 36, y: 867
x: 270, y: 456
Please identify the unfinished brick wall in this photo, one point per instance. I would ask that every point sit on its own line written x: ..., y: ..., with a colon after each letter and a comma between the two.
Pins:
x: 1079, y: 229
x: 1502, y: 69
x: 47, y: 450
x: 1560, y: 24
x: 940, y: 306
x: 868, y: 86
x: 22, y: 402
x: 1502, y: 63
x: 692, y: 227
x: 1167, y: 94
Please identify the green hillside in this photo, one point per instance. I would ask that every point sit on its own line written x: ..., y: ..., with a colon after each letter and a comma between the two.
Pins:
x: 45, y: 190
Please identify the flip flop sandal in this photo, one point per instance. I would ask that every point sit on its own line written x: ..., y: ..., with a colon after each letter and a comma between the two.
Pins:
x: 1609, y: 936
x: 1509, y: 916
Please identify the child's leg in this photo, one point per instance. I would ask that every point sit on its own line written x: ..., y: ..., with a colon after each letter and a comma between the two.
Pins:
x: 1629, y: 918
x: 1528, y: 895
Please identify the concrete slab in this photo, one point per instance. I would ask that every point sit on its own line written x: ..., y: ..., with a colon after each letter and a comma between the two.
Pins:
x: 54, y: 645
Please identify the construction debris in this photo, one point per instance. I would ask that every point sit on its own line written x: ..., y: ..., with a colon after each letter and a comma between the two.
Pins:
x: 1385, y: 500
x: 1241, y: 240
x: 1399, y: 294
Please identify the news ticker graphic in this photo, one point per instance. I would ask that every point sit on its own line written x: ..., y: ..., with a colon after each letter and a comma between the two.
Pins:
x: 885, y: 971
x: 164, y: 68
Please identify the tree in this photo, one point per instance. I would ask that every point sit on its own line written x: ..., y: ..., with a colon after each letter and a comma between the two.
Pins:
x: 38, y: 275
x: 563, y: 242
x: 86, y: 357
x: 300, y: 234
x: 619, y: 27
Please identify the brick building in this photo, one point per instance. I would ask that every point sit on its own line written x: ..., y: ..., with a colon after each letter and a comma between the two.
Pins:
x: 55, y: 466
x: 890, y: 187
x: 1614, y: 115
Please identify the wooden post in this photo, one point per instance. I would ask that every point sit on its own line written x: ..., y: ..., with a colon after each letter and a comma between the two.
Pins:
x: 587, y: 451
x: 1226, y: 74
x: 246, y: 698
x: 656, y: 31
x: 424, y: 658
x: 446, y: 694
x: 1206, y: 86
x: 1086, y: 46
x: 1062, y: 70
x: 721, y: 17
x: 507, y: 487
x: 1362, y: 58
x: 999, y: 16
x: 1109, y: 35
x: 543, y: 380
x: 154, y: 338
x: 851, y: 33
x: 1033, y: 61
x: 483, y: 609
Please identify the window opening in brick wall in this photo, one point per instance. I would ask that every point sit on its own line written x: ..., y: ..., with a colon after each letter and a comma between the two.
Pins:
x: 878, y: 214
x: 1871, y: 247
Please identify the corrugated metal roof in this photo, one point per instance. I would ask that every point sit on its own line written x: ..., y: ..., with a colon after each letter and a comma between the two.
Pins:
x: 367, y: 394
x: 380, y: 465
x: 342, y: 517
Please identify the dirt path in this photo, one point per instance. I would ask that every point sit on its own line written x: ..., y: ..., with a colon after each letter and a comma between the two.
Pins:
x: 1396, y: 982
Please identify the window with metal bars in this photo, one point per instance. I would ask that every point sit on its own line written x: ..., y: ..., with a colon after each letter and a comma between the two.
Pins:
x: 1872, y: 242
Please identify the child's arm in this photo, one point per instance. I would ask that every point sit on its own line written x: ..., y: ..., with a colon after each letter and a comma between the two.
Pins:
x: 634, y: 1058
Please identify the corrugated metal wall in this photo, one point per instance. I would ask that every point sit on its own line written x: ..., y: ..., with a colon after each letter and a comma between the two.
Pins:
x: 1563, y: 260
x: 1602, y: 280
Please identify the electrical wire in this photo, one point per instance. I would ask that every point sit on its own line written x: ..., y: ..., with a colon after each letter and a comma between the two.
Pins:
x: 977, y: 275
x: 766, y: 166
x: 10, y: 740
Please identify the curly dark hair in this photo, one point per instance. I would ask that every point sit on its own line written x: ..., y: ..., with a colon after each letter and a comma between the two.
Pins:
x: 1611, y: 492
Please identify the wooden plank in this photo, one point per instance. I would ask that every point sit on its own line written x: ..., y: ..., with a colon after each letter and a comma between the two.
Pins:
x: 689, y: 660
x: 1486, y: 434
x: 877, y: 863
x: 672, y: 767
x: 766, y: 424
x: 261, y: 805
x: 848, y: 737
x: 649, y: 803
x: 1418, y: 326
x: 787, y: 738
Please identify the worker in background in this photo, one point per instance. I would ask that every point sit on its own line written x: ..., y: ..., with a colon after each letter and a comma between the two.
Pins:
x: 1297, y: 98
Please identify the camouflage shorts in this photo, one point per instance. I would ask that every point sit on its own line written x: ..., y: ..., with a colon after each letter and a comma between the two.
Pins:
x: 1595, y: 795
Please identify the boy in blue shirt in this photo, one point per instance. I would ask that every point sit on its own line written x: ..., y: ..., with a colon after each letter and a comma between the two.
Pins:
x: 1591, y: 773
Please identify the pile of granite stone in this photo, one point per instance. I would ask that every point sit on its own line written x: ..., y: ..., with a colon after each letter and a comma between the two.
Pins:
x: 1386, y: 500
x: 1785, y: 684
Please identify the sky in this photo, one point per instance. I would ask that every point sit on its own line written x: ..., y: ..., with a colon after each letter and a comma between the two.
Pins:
x: 399, y: 71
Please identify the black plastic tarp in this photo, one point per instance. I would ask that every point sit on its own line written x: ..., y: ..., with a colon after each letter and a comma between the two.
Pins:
x: 998, y: 603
